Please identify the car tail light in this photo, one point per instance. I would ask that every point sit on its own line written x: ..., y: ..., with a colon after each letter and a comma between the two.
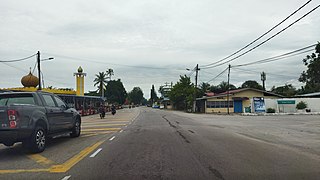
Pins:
x: 13, y: 117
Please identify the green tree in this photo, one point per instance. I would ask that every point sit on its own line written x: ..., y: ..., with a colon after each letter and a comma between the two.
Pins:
x: 116, y: 93
x: 222, y: 87
x: 182, y: 94
x: 312, y: 76
x: 204, y: 87
x: 136, y: 95
x: 153, y: 95
x: 287, y: 90
x: 110, y: 73
x: 101, y: 81
x: 251, y: 84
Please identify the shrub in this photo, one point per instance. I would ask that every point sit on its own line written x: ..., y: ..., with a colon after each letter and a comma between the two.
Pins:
x: 301, y: 105
x: 271, y: 110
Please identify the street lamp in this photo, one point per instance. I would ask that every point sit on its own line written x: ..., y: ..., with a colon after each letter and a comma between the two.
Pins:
x: 39, y: 71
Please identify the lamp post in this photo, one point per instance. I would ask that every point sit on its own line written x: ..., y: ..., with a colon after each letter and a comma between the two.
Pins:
x: 196, y: 86
x: 39, y: 69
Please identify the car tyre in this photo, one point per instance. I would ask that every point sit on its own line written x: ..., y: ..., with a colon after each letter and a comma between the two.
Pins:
x: 76, y: 130
x: 37, y: 141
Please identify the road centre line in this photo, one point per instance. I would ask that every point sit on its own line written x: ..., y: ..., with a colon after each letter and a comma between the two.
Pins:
x: 98, y: 122
x: 112, y: 138
x: 99, y: 125
x: 95, y: 153
x: 66, y: 177
x: 101, y: 129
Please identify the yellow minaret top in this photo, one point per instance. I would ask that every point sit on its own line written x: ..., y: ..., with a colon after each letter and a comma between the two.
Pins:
x: 80, y: 81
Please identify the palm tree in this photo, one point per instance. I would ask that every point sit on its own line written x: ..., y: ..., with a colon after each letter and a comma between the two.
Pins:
x: 110, y: 73
x: 101, y: 81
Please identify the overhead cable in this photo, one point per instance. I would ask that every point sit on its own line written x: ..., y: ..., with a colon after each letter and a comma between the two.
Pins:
x: 279, y: 57
x: 218, y: 75
x: 17, y: 60
x: 215, y: 64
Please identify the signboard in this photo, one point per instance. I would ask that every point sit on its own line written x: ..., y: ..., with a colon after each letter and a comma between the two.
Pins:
x: 286, y: 102
x: 259, y: 105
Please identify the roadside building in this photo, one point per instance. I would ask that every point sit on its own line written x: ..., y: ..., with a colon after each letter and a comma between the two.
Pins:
x: 240, y: 101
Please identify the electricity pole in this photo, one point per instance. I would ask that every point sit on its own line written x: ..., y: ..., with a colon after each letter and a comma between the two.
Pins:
x: 263, y: 79
x: 228, y: 88
x: 196, y: 87
x: 39, y: 72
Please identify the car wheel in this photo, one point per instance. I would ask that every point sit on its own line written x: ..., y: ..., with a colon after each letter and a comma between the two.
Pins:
x: 76, y: 130
x: 37, y: 141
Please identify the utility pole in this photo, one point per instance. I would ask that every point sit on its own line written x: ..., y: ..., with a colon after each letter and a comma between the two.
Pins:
x: 196, y: 86
x: 228, y: 88
x: 39, y: 72
x: 263, y: 79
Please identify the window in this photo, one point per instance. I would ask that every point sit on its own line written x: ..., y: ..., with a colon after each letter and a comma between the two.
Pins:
x: 8, y: 100
x: 59, y: 102
x: 49, y: 101
x: 219, y: 104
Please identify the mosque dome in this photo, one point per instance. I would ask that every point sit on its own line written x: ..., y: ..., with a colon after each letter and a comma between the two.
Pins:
x: 30, y: 80
x: 80, y: 70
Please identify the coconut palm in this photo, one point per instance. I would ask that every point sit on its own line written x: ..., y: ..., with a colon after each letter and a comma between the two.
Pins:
x: 101, y: 81
x: 110, y: 73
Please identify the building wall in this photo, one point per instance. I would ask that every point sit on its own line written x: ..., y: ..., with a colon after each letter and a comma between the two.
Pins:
x: 245, y: 103
x: 312, y: 103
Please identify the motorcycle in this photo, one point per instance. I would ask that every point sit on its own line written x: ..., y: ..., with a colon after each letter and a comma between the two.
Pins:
x: 102, y: 114
x: 113, y: 111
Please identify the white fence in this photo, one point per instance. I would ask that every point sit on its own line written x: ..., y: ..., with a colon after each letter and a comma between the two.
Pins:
x: 312, y: 103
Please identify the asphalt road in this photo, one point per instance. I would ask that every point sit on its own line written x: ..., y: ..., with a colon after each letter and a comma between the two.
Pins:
x: 163, y: 145
x: 157, y: 144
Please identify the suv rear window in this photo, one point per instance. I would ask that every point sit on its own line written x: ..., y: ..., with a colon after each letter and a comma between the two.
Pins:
x: 9, y: 99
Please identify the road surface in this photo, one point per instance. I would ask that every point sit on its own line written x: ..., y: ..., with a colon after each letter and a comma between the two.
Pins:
x: 158, y: 144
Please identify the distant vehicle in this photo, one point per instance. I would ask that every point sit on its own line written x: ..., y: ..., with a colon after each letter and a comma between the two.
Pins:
x: 156, y: 106
x: 32, y: 117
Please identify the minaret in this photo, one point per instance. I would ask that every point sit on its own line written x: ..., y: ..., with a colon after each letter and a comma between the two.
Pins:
x: 80, y: 81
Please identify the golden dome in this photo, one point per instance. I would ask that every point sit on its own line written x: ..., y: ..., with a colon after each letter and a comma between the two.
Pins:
x: 30, y: 80
x: 80, y: 70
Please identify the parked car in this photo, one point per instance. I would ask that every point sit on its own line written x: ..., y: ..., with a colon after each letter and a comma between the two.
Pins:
x: 32, y: 117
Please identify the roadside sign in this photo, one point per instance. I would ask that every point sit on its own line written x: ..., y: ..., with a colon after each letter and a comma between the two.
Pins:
x: 286, y: 101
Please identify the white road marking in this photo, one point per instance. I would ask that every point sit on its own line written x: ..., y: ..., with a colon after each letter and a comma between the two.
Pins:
x: 121, y: 131
x: 112, y: 138
x: 95, y: 153
x: 66, y: 178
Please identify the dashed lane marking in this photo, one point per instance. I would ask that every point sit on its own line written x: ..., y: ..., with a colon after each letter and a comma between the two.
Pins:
x: 95, y: 153
x: 112, y: 138
x: 66, y: 177
x: 61, y: 168
x: 101, y: 129
x: 100, y: 125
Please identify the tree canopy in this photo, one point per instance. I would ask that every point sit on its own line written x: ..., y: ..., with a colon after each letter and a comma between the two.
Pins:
x: 222, y: 87
x: 136, y: 95
x: 153, y: 94
x: 100, y: 81
x: 312, y: 76
x: 182, y: 93
x: 251, y: 84
x: 287, y: 90
x: 116, y: 93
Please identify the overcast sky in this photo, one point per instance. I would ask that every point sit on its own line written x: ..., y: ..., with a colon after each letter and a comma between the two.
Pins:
x: 150, y: 42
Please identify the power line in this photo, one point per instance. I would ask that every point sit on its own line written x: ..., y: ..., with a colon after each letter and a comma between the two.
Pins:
x: 257, y: 72
x: 279, y: 57
x: 218, y: 74
x: 115, y: 64
x: 14, y: 67
x: 17, y: 60
x: 263, y: 42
